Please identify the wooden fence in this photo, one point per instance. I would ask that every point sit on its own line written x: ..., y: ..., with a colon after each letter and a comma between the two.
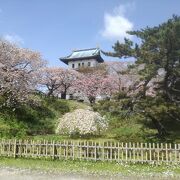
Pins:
x: 87, y: 150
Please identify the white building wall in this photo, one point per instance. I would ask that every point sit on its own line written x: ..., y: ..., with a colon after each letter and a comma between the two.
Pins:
x: 93, y: 63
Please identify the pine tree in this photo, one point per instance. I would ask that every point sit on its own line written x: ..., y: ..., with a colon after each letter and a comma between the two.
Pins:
x: 159, y: 48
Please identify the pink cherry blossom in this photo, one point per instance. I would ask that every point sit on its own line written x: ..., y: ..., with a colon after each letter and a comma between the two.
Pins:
x: 18, y: 72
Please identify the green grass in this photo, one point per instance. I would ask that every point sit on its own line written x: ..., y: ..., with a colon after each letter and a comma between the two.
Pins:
x: 76, y: 105
x: 88, y: 167
x: 65, y: 137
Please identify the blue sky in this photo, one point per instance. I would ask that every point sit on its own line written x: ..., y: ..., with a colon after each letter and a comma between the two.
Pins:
x: 56, y: 27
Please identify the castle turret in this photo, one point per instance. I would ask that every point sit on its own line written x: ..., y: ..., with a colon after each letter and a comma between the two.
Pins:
x: 83, y: 58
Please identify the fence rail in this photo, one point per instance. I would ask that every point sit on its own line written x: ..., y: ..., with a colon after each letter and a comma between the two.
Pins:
x: 156, y: 153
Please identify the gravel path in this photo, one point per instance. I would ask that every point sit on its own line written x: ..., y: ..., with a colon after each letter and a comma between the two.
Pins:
x: 7, y: 173
x: 25, y: 174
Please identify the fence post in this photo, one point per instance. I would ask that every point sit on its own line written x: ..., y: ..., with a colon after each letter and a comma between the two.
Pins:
x: 73, y: 144
x: 111, y: 151
x: 179, y: 151
x: 170, y: 154
x: 158, y: 152
x: 146, y: 155
x: 20, y: 147
x: 150, y: 152
x: 60, y: 150
x: 9, y: 147
x: 46, y: 148
x: 126, y: 152
x: 66, y: 149
x: 53, y: 150
x: 118, y: 153
x: 15, y: 149
x: 134, y: 152
x: 38, y: 142
x: 130, y: 151
x: 175, y: 149
x: 26, y: 152
x: 33, y: 148
x: 80, y: 150
x: 122, y: 151
x: 95, y: 152
x: 162, y: 153
x: 142, y: 153
x: 137, y: 151
x: 154, y: 152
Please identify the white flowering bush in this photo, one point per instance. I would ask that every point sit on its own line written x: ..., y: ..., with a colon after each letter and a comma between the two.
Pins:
x: 82, y: 122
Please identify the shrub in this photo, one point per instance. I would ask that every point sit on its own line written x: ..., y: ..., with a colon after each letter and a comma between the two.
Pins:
x: 82, y: 122
x: 11, y: 128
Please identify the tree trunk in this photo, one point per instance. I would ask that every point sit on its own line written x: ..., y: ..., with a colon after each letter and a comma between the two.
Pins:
x: 161, y: 129
x: 50, y: 92
x: 63, y: 95
x: 92, y: 99
x: 143, y: 94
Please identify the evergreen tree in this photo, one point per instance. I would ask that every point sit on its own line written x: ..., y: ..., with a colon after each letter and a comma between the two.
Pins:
x: 159, y: 48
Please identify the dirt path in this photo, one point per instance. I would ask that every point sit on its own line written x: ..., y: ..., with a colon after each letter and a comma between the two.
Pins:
x: 25, y: 174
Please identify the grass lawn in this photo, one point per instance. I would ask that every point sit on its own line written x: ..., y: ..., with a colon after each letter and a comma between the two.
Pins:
x: 88, y: 167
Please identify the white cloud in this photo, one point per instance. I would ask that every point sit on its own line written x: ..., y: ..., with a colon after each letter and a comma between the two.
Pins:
x: 13, y: 38
x: 116, y: 24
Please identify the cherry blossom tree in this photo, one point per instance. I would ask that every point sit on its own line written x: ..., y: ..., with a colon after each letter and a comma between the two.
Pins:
x: 89, y: 85
x: 18, y: 72
x: 50, y: 79
x: 59, y: 80
x: 68, y: 79
x: 105, y: 80
x: 91, y: 81
x: 110, y: 85
x: 95, y: 84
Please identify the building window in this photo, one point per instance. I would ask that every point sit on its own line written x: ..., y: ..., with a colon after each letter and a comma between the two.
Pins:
x: 79, y: 64
x: 72, y: 65
x: 89, y: 63
x: 82, y: 64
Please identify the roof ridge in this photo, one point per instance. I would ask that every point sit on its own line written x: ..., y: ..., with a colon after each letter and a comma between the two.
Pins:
x: 85, y: 49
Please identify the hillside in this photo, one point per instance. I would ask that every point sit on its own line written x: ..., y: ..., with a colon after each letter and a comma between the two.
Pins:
x: 39, y: 119
x: 35, y: 118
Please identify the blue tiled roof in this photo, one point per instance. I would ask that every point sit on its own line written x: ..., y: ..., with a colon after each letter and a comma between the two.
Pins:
x: 83, y: 54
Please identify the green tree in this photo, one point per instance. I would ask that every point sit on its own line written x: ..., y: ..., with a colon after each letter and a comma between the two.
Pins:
x: 158, y: 48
